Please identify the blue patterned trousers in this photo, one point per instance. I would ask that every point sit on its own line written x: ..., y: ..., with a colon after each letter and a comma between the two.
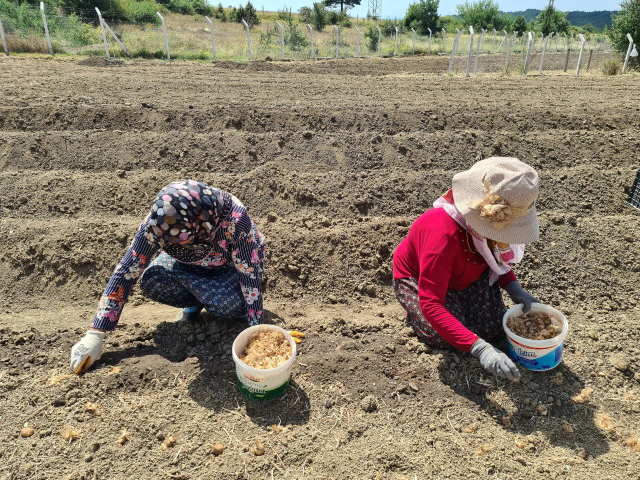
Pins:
x: 182, y: 285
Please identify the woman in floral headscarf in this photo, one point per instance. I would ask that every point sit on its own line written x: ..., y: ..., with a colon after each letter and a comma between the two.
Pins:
x: 212, y: 257
x: 449, y: 269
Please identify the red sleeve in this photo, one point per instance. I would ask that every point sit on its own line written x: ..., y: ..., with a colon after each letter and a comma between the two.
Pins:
x: 507, y: 278
x: 435, y: 271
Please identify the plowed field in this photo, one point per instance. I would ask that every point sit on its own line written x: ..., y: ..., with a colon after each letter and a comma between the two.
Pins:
x: 334, y: 160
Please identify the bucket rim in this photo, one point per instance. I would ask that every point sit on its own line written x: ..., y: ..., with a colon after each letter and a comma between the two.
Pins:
x: 537, y: 344
x: 262, y: 371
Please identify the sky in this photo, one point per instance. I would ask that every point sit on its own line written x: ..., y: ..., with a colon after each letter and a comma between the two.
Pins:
x: 397, y: 8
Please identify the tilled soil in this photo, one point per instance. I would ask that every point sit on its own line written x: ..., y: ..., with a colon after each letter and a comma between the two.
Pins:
x: 334, y: 160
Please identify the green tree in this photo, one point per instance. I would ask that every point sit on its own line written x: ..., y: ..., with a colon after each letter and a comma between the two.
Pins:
x: 250, y: 15
x: 481, y: 14
x: 318, y: 18
x: 422, y: 15
x: 342, y: 3
x: 519, y: 24
x: 626, y: 21
x: 305, y: 14
x: 552, y: 20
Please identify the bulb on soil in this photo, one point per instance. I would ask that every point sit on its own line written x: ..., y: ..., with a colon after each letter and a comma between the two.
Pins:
x: 93, y: 408
x: 69, y: 434
x: 633, y: 442
x: 484, y: 449
x: 55, y: 379
x: 26, y: 431
x: 584, y: 396
x: 123, y: 437
x: 471, y: 428
x: 605, y: 422
x: 217, y: 449
x: 567, y: 428
x: 258, y: 448
x: 506, y: 419
x: 169, y: 442
x: 521, y: 443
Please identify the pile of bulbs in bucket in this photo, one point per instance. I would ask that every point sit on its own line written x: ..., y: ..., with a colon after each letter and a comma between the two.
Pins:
x: 266, y: 350
x: 534, y: 325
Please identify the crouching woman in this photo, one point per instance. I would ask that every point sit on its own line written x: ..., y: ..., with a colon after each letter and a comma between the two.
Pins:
x: 449, y: 269
x: 211, y: 257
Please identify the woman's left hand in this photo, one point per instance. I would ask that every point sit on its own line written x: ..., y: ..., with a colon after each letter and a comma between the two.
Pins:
x: 520, y: 295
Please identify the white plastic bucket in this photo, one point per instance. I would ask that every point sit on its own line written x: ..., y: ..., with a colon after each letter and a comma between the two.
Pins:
x: 259, y: 384
x: 537, y: 354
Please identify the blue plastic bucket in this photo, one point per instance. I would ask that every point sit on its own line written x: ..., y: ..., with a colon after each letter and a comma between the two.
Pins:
x: 537, y: 355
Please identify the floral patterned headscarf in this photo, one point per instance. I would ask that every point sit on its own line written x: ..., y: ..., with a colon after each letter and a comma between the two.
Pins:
x: 184, y: 217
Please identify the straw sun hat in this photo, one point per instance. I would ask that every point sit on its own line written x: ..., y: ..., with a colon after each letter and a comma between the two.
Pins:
x: 496, y: 197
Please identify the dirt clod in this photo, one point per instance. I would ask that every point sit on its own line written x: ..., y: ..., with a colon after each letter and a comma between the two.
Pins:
x: 369, y: 404
x: 26, y: 431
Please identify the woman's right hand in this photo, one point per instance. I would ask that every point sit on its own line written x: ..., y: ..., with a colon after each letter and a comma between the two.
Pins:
x: 495, y: 361
x: 87, y: 351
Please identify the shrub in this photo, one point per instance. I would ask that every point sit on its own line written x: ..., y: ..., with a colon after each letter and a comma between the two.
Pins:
x: 318, y: 19
x: 305, y: 14
x: 627, y: 20
x: 612, y: 67
x: 422, y: 15
x: 371, y: 38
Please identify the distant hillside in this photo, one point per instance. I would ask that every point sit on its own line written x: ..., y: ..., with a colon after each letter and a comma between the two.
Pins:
x: 597, y: 19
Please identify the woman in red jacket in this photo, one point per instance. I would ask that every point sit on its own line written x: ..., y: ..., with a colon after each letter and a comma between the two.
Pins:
x: 449, y: 269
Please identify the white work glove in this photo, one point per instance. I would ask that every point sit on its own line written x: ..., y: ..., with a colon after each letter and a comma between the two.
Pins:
x: 87, y: 351
x: 495, y: 361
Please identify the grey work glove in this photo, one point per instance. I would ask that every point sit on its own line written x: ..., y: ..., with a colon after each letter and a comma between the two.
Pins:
x: 495, y: 361
x: 87, y: 351
x: 520, y: 295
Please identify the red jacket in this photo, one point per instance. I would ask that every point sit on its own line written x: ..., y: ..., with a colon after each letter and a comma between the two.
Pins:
x: 436, y: 253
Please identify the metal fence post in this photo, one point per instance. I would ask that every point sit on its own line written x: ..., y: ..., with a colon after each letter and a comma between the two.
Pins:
x: 444, y: 39
x: 506, y: 62
x: 557, y: 40
x: 357, y: 41
x: 544, y: 50
x: 3, y: 38
x: 164, y: 32
x: 379, y: 33
x: 582, y: 42
x: 337, y: 41
x: 626, y: 59
x: 281, y: 28
x: 493, y: 47
x: 529, y: 48
x: 589, y: 61
x: 470, y: 51
x: 246, y: 27
x: 475, y: 64
x: 429, y: 40
x: 395, y: 50
x: 413, y: 37
x: 46, y: 28
x: 313, y: 53
x: 213, y: 39
x: 104, y: 34
x: 566, y: 61
x: 454, y: 48
x: 115, y: 37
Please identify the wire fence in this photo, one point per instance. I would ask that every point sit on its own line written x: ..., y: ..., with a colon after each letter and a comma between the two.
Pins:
x: 469, y: 52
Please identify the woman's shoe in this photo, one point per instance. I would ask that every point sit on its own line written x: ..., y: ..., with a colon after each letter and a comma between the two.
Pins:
x: 189, y: 314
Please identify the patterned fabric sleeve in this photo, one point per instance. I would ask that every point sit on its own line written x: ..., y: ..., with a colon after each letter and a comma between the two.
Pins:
x: 123, y: 279
x: 247, y: 251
